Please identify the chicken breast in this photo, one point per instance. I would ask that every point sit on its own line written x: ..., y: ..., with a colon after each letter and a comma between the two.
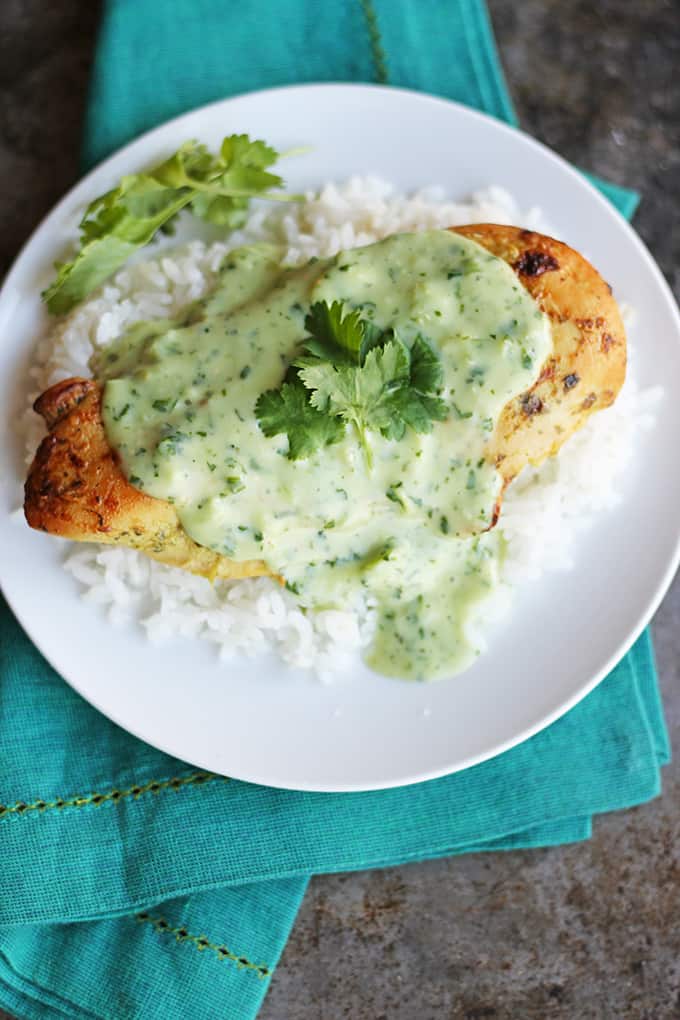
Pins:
x: 76, y: 489
x: 587, y: 366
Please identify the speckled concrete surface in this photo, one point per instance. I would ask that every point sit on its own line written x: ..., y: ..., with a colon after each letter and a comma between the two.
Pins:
x: 588, y: 931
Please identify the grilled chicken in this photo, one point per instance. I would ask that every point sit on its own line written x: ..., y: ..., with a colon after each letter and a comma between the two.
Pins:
x: 587, y: 366
x: 76, y: 489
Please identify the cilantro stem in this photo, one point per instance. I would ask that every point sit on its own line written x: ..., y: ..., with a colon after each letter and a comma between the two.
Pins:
x: 209, y: 188
x: 363, y: 442
x: 297, y: 150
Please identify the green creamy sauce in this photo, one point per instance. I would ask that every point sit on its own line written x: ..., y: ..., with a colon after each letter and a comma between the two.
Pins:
x: 409, y: 533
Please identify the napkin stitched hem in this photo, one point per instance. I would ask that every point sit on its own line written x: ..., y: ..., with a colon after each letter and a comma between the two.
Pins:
x: 375, y: 40
x: 201, y: 943
x: 155, y: 786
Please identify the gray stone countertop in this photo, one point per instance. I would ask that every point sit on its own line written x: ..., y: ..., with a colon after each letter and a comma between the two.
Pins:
x: 577, y: 932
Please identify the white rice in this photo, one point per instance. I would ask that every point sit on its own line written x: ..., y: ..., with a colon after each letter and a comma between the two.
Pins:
x: 544, y: 509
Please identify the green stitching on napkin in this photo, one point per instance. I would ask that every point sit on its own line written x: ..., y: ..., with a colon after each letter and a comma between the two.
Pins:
x: 136, y: 791
x: 201, y: 943
x: 377, y: 51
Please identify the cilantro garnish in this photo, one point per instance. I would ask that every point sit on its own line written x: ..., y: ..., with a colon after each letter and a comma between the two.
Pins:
x: 353, y: 373
x: 288, y: 410
x: 217, y: 188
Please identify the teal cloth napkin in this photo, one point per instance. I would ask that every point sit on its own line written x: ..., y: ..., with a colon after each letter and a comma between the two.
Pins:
x: 133, y: 885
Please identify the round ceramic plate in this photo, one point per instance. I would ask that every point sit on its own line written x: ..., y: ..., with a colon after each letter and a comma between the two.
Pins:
x: 252, y: 718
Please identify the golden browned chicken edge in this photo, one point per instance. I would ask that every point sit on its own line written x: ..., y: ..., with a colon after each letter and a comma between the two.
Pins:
x: 76, y: 488
x: 587, y: 367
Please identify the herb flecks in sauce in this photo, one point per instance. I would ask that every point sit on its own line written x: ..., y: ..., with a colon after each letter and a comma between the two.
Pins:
x: 410, y: 533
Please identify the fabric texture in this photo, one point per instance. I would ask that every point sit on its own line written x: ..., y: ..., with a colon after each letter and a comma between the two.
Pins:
x: 134, y: 885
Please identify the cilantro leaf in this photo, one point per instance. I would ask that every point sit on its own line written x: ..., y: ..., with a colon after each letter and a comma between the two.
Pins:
x: 410, y: 409
x: 334, y: 338
x: 417, y: 405
x: 115, y: 225
x: 426, y: 367
x: 220, y: 210
x: 361, y: 395
x: 288, y: 410
x: 340, y: 339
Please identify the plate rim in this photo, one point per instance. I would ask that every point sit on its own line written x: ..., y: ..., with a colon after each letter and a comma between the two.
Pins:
x: 642, y: 251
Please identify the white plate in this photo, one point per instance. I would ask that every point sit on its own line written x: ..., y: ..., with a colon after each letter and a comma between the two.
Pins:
x: 252, y: 719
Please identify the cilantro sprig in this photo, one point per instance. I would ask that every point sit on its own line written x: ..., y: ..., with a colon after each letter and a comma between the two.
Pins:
x: 351, y: 373
x: 215, y: 187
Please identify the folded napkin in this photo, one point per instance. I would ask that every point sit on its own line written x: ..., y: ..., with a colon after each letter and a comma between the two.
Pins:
x: 134, y: 885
